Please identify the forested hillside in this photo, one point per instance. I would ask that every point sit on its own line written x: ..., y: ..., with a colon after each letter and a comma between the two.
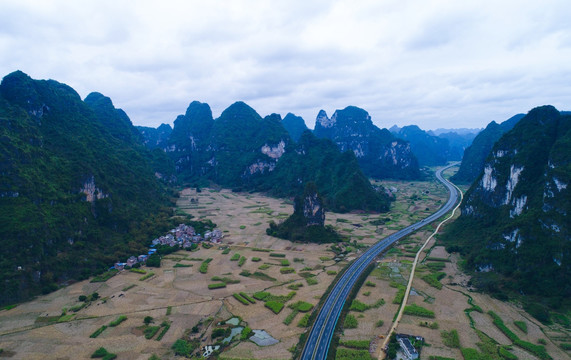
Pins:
x: 76, y: 186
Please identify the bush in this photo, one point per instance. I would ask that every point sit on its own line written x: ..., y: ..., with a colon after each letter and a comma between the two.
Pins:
x: 147, y: 320
x: 154, y: 260
x: 242, y: 261
x: 182, y: 348
x: 277, y: 255
x: 103, y: 353
x: 311, y: 281
x: 287, y: 270
x: 379, y: 323
x: 235, y: 257
x: 256, y: 259
x: 275, y: 306
x: 82, y: 298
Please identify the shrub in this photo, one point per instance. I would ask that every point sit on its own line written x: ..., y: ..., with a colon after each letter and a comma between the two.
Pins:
x: 370, y: 284
x: 256, y: 259
x: 379, y: 323
x: 350, y: 322
x: 147, y: 320
x: 331, y: 272
x: 284, y: 262
x: 82, y: 298
x: 235, y: 257
x: 139, y: 271
x: 143, y: 278
x: 182, y: 348
x: 103, y: 353
x: 275, y: 306
x: 287, y: 270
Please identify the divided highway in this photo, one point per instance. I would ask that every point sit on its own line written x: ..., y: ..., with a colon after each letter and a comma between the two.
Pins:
x: 321, y: 333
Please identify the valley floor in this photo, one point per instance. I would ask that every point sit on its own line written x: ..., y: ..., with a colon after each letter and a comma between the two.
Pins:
x: 178, y: 293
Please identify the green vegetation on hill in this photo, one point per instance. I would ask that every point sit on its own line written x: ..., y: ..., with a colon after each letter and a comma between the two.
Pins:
x: 514, y: 218
x: 77, y: 190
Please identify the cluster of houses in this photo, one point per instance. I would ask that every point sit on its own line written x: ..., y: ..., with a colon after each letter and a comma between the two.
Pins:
x: 183, y: 236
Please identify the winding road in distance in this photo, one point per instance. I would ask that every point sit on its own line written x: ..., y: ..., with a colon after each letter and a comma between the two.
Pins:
x: 321, y: 333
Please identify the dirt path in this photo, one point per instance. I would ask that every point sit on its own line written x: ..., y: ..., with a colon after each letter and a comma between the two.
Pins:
x: 411, y: 277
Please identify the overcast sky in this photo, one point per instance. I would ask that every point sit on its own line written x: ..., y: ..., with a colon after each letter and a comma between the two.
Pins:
x: 432, y: 63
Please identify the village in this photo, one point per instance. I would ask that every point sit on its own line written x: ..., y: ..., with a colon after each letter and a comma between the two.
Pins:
x: 183, y: 236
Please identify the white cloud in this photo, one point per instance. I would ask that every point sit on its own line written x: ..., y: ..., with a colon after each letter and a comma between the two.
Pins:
x: 435, y: 63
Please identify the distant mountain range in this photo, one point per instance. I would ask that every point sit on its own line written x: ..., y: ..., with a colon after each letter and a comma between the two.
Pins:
x: 380, y: 154
x: 435, y: 148
x: 515, y: 216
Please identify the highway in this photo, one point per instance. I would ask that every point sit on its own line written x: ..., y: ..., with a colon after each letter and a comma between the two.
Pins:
x: 321, y: 333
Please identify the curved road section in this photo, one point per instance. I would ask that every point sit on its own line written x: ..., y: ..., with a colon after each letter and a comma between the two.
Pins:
x: 321, y: 333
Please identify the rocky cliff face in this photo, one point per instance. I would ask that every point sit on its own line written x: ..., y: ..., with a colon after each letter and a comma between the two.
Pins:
x: 313, y: 210
x: 379, y: 153
x: 475, y: 155
x: 514, y: 217
x: 155, y: 138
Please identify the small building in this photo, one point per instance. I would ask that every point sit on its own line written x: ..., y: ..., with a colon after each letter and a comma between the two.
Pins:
x: 407, y: 348
x: 142, y: 258
x: 152, y: 251
x: 131, y: 261
x: 119, y: 266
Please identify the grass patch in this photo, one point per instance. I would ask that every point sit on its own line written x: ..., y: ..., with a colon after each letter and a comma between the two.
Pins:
x: 416, y: 310
x: 351, y: 354
x: 226, y: 251
x: 426, y: 324
x: 278, y: 255
x: 287, y: 270
x: 350, y: 322
x: 294, y: 286
x: 522, y: 325
x: 166, y: 326
x: 256, y: 259
x: 290, y: 317
x: 143, y: 278
x: 434, y: 279
x: 204, y: 266
x: 301, y: 306
x: 118, y: 321
x: 169, y: 310
x: 451, y: 338
x: 179, y: 265
x: 275, y: 306
x: 356, y: 344
x: 262, y: 276
x: 138, y: 271
x: 241, y: 299
x: 359, y: 306
x: 264, y: 267
x: 105, y: 276
x: 379, y: 323
x: 98, y: 332
x: 225, y: 280
x: 216, y: 286
x: 304, y: 321
x: 261, y: 250
x: 325, y: 258
x: 311, y: 281
x: 536, y: 350
x: 235, y: 257
x: 247, y: 297
x: 284, y: 262
x: 242, y: 261
x: 150, y: 331
x: 331, y: 272
x: 242, y: 227
x: 370, y: 284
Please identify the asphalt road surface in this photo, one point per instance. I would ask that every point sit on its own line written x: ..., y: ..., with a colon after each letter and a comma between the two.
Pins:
x: 321, y: 333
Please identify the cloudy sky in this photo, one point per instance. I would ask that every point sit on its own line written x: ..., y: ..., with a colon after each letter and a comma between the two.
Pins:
x: 435, y: 63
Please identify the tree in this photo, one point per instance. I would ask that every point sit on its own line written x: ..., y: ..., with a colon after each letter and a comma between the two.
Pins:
x: 147, y: 320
